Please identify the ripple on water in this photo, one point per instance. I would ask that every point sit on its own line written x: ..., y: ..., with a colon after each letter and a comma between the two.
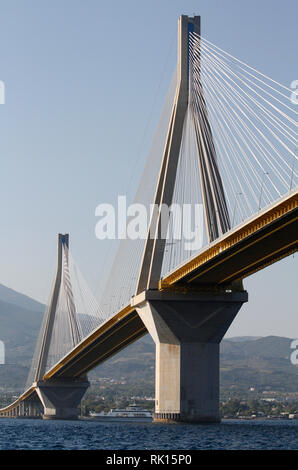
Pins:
x: 232, y: 434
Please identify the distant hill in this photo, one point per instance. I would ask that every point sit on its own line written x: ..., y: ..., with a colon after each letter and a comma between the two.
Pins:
x: 13, y: 297
x: 262, y: 363
x: 20, y: 320
x: 19, y: 328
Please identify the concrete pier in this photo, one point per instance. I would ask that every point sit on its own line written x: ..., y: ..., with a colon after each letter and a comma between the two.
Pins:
x: 61, y: 399
x: 187, y: 330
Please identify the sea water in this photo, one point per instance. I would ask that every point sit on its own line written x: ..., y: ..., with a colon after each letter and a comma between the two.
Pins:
x: 230, y: 434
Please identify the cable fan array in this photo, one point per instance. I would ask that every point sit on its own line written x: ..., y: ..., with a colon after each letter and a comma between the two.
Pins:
x: 77, y: 314
x: 122, y: 279
x: 237, y: 156
x: 248, y: 124
x: 252, y: 126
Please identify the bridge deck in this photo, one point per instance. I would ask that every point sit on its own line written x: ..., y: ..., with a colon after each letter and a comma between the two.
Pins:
x: 260, y: 241
x: 116, y: 333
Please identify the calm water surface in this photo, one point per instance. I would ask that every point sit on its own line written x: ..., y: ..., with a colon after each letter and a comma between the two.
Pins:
x: 230, y: 434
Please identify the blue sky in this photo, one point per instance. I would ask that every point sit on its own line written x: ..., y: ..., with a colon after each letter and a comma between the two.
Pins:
x: 85, y: 84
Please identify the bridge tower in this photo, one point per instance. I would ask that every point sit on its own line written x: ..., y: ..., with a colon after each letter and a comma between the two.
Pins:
x: 60, y: 398
x: 187, y: 327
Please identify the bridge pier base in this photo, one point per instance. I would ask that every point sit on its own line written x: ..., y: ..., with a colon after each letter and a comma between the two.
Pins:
x: 61, y: 398
x: 187, y: 330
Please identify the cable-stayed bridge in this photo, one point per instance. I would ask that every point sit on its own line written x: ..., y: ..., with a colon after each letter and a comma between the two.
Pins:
x: 224, y: 155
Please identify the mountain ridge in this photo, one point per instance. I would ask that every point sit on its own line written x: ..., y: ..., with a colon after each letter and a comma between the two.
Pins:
x: 7, y: 294
x: 261, y: 362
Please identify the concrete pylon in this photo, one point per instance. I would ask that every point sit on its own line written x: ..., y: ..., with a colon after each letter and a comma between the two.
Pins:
x: 187, y: 330
x: 151, y: 264
x: 61, y: 398
x: 215, y: 208
x: 49, y: 325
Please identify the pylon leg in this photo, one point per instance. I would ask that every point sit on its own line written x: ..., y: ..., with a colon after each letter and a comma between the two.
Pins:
x: 61, y: 399
x: 187, y: 330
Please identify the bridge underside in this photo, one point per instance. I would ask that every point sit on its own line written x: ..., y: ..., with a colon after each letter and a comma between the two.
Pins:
x: 27, y: 406
x: 116, y: 334
x: 267, y: 239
